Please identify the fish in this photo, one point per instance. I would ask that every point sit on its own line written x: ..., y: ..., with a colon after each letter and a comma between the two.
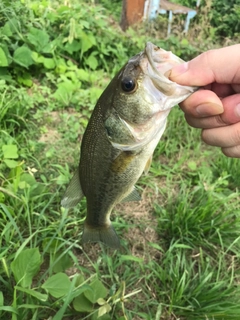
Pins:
x: 122, y: 133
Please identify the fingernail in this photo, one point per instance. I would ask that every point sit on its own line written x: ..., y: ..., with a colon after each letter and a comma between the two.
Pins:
x: 209, y: 109
x: 178, y: 70
x: 237, y: 110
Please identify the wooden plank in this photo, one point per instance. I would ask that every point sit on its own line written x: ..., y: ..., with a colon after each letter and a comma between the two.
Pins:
x: 132, y: 12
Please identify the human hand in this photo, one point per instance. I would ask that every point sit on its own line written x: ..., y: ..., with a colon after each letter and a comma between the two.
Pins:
x: 215, y: 108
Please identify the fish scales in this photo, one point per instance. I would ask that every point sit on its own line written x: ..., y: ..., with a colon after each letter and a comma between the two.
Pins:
x: 123, y: 131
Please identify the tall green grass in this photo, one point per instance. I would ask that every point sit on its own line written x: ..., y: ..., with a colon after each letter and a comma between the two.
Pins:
x: 180, y: 245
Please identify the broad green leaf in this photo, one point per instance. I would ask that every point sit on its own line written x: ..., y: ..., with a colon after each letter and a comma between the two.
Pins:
x: 99, y: 291
x: 49, y: 63
x: 101, y: 301
x: 104, y: 317
x: 23, y: 56
x: 74, y: 46
x: 104, y: 309
x: 4, y: 75
x: 94, y: 94
x: 61, y: 66
x: 5, y: 48
x: 28, y: 178
x: 83, y: 75
x: 37, y: 57
x: 39, y: 39
x: 25, y: 79
x: 65, y: 91
x: 51, y: 245
x: 6, y: 30
x: 26, y: 266
x: 57, y: 285
x: 11, y: 164
x: 92, y: 62
x: 63, y: 263
x: 33, y: 293
x: 82, y: 304
x: 3, y: 58
x: 13, y: 24
x: 23, y: 185
x: 87, y: 42
x: 62, y: 179
x: 80, y: 279
x: 10, y: 151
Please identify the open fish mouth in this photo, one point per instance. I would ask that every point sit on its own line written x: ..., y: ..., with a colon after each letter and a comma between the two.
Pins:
x: 159, y: 59
x: 156, y: 64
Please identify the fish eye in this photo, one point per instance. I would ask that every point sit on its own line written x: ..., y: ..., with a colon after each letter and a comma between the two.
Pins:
x: 128, y: 85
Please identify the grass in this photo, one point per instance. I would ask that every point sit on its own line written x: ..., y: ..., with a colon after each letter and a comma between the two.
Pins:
x: 179, y: 257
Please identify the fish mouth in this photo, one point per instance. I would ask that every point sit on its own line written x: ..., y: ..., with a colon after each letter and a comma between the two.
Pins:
x: 156, y: 64
x: 160, y: 60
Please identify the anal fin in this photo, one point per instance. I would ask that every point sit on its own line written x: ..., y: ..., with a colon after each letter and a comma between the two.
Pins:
x: 74, y: 192
x: 148, y: 165
x: 132, y: 196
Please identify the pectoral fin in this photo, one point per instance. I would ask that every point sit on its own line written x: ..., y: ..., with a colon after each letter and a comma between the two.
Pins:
x: 74, y: 192
x: 132, y: 196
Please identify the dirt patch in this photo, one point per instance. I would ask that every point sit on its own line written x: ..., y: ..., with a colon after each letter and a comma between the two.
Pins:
x: 51, y: 136
x: 52, y: 121
x: 140, y: 231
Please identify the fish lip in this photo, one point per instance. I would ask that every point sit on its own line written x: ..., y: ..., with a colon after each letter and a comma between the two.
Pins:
x: 149, y: 49
x: 156, y: 64
x: 153, y: 65
x: 157, y: 55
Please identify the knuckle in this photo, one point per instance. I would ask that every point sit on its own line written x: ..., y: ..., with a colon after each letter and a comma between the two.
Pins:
x: 236, y: 134
x: 219, y: 121
x: 204, y: 136
x: 233, y: 152
x: 192, y: 121
x: 227, y: 152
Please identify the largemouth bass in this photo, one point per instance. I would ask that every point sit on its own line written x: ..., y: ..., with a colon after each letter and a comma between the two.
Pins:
x: 123, y: 131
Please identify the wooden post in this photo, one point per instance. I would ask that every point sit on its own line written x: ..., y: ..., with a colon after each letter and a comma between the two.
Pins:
x: 132, y: 12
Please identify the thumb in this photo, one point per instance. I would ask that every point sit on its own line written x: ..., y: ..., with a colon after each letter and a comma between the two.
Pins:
x: 218, y: 65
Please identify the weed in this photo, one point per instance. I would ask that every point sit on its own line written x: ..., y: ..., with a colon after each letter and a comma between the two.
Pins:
x: 180, y: 245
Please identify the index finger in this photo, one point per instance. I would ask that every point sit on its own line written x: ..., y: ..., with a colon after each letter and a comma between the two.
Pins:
x: 218, y: 65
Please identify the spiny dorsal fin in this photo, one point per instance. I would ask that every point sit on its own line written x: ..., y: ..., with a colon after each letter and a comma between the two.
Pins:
x: 74, y: 192
x: 132, y: 196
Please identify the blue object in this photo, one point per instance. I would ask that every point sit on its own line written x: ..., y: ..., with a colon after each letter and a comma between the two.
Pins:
x: 153, y: 8
x: 190, y: 15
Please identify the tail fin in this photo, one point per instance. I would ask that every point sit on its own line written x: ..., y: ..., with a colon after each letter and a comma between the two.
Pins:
x: 106, y: 235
